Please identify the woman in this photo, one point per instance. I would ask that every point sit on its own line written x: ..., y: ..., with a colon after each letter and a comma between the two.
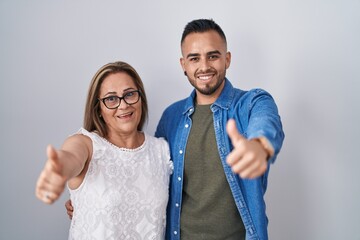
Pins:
x: 117, y: 175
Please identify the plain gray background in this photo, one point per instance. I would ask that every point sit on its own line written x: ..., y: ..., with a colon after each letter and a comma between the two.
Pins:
x: 305, y: 53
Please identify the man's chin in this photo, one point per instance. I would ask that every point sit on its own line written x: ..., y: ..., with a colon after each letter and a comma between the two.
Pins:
x: 206, y: 91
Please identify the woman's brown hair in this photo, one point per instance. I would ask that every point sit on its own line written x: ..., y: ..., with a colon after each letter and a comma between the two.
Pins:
x: 92, y: 119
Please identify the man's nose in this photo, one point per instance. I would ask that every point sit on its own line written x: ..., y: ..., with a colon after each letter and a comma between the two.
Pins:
x: 204, y: 65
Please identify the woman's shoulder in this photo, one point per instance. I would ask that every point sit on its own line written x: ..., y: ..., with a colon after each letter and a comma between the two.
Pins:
x: 156, y: 140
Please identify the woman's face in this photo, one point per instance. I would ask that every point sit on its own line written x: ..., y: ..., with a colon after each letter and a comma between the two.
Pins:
x: 125, y: 118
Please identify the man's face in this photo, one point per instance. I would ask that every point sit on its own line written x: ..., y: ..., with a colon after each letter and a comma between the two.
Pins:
x: 205, y: 60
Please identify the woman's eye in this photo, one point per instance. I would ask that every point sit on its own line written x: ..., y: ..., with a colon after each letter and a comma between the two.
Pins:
x: 111, y: 99
x: 129, y: 94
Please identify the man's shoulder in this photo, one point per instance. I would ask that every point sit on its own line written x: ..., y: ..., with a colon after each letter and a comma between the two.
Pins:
x: 251, y: 93
x: 176, y: 106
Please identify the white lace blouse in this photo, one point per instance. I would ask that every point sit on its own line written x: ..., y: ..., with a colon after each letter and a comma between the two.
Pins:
x: 124, y: 193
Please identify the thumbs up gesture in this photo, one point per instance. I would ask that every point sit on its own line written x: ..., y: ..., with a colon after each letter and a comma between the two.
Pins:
x: 248, y: 158
x: 50, y: 183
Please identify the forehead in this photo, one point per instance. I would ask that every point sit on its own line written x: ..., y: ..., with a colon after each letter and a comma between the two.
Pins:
x: 117, y: 82
x: 203, y: 42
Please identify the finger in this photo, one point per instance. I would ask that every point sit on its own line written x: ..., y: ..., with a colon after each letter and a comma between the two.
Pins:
x: 254, y: 171
x: 235, y: 155
x: 52, y: 154
x: 49, y: 186
x: 50, y: 179
x: 49, y: 196
x: 46, y: 196
x: 241, y: 165
x: 38, y: 191
x: 250, y: 167
x: 54, y: 158
x: 68, y: 205
x: 259, y: 172
x: 70, y: 214
x: 69, y: 208
x: 48, y: 192
x: 56, y: 187
x: 233, y: 132
x: 40, y: 185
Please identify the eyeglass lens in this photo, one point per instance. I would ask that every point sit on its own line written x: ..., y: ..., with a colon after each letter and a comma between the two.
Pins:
x: 114, y: 101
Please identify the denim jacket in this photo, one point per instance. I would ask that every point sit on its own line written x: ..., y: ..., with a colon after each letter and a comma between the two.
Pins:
x: 256, y: 115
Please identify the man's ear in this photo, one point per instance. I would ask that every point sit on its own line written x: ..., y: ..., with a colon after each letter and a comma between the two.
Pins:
x: 182, y: 63
x: 227, y: 60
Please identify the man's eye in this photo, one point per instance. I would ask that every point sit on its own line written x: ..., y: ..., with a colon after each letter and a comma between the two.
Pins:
x: 213, y: 57
x: 193, y: 59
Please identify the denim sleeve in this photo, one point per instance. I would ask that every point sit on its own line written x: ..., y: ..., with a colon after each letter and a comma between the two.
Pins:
x: 264, y: 120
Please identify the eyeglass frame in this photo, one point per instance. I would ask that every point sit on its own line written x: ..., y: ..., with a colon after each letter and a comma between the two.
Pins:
x: 121, y: 98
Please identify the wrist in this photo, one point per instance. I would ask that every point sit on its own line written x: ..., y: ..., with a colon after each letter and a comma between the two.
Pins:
x: 264, y: 142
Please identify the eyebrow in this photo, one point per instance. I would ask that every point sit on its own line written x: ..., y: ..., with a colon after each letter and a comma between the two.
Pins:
x: 192, y: 55
x: 110, y: 93
x: 124, y: 91
x: 208, y: 53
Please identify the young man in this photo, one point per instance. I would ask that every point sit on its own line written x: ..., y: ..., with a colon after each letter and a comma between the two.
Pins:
x: 222, y: 140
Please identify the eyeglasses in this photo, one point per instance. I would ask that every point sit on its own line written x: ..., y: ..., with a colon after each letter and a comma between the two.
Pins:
x: 129, y: 98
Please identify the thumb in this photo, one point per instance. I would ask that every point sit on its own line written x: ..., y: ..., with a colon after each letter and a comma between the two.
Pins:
x: 233, y: 132
x: 53, y: 157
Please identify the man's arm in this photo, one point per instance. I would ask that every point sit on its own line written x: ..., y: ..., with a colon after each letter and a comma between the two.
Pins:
x: 248, y: 157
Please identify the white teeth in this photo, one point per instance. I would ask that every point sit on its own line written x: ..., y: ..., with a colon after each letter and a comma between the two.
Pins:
x: 204, y: 77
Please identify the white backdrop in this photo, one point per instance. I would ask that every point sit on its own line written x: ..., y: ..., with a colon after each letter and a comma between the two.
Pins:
x: 306, y: 53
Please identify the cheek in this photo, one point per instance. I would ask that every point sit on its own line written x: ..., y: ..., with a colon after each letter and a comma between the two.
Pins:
x: 140, y: 110
x: 190, y: 71
x: 102, y: 111
x: 105, y: 114
x: 189, y: 66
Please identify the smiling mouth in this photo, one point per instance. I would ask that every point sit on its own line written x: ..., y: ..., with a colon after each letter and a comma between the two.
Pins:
x: 126, y: 115
x: 205, y: 77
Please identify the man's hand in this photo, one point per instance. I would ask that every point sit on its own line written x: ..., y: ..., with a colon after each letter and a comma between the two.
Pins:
x: 69, y: 208
x: 248, y: 158
x: 50, y: 183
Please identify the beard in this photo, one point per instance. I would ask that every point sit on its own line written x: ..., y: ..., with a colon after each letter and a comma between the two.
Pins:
x: 210, y: 88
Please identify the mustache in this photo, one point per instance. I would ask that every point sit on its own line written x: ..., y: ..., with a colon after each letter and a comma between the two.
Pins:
x: 209, y: 70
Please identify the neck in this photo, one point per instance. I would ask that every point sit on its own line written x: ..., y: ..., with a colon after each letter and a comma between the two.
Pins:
x: 205, y: 100
x: 129, y: 141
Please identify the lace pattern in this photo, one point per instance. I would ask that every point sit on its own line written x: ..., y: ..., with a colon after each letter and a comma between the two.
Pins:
x: 124, y: 193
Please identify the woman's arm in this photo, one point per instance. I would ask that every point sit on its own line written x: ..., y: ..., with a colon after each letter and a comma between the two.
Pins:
x: 61, y: 166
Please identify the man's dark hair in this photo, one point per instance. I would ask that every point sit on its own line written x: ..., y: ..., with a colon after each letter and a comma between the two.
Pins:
x: 200, y: 26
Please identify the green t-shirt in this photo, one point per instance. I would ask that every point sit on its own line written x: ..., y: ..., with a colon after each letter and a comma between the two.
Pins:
x: 208, y: 208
